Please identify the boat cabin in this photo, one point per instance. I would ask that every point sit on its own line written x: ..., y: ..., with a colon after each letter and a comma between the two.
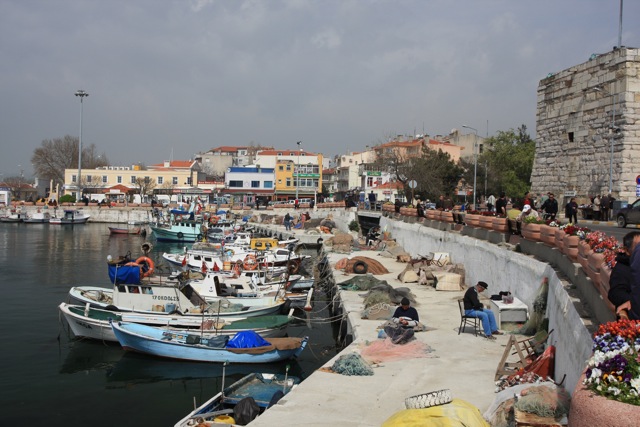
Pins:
x: 264, y: 243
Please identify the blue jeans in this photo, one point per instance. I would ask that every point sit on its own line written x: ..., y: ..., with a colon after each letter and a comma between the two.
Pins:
x: 287, y: 225
x: 488, y: 320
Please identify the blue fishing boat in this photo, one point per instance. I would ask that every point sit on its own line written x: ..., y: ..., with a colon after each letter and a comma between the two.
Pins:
x: 242, y: 401
x: 243, y: 347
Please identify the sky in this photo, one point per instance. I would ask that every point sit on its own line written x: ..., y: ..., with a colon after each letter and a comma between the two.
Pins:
x: 168, y: 79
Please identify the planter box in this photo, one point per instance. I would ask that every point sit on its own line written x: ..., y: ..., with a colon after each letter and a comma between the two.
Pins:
x: 559, y: 239
x: 472, y: 220
x: 584, y: 250
x: 432, y: 214
x: 500, y: 224
x: 485, y: 222
x: 570, y: 246
x: 548, y: 235
x: 446, y: 216
x: 531, y: 231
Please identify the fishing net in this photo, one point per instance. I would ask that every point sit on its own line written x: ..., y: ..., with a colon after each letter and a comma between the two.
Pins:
x: 544, y: 401
x: 385, y: 350
x: 224, y: 306
x: 362, y: 283
x: 536, y: 320
x: 352, y: 364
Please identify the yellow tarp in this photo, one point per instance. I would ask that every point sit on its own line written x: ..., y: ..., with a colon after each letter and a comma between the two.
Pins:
x: 458, y: 413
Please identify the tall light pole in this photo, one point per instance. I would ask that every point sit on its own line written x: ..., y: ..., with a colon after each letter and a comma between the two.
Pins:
x: 612, y: 131
x: 81, y: 93
x: 475, y: 161
x: 299, y: 143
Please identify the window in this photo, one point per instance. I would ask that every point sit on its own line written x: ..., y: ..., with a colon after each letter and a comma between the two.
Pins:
x: 88, y: 178
x: 279, y: 154
x: 74, y: 178
x: 235, y: 184
x: 288, y: 166
x: 255, y: 184
x: 104, y: 179
x: 288, y: 182
x: 570, y: 134
x: 369, y: 181
x: 160, y: 180
x: 119, y: 179
x: 174, y: 180
x: 268, y: 184
x: 133, y: 179
x: 280, y: 168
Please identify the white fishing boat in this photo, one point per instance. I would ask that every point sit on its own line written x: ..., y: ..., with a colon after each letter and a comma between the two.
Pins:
x: 71, y: 217
x: 89, y: 322
x: 39, y: 217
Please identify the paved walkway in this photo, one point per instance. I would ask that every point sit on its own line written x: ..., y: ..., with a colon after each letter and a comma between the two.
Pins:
x: 463, y: 363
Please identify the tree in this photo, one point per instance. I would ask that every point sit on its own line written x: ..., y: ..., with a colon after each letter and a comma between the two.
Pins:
x: 509, y: 162
x: 145, y: 186
x: 55, y: 155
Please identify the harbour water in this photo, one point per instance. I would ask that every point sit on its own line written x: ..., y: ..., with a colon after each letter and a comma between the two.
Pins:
x: 50, y: 378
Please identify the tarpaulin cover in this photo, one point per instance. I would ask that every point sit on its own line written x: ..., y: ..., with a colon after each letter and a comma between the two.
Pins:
x: 124, y: 274
x: 247, y: 339
x: 458, y: 413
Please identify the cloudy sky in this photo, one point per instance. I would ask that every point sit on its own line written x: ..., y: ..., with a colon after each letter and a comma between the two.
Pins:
x: 171, y: 78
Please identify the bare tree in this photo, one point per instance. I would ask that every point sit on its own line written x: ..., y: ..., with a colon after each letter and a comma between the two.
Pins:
x: 145, y: 186
x: 55, y: 155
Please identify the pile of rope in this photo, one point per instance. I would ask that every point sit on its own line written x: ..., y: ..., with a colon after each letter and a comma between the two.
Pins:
x: 352, y: 364
x: 380, y: 351
x: 373, y: 266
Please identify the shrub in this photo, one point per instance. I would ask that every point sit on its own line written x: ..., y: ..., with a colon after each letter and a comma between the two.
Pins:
x: 67, y: 198
x: 354, y: 226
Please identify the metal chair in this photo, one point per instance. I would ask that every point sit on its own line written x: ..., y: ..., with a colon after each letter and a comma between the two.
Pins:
x: 467, y: 320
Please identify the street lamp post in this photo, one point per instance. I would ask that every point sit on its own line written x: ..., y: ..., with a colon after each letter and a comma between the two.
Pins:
x: 299, y: 143
x: 81, y: 93
x: 475, y: 161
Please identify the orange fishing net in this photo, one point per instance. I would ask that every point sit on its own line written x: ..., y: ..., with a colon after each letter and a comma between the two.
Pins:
x: 385, y: 351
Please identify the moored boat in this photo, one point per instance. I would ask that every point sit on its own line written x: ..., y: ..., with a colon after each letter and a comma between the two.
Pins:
x: 71, y: 217
x: 260, y: 389
x: 39, y: 217
x: 89, y: 322
x: 243, y: 347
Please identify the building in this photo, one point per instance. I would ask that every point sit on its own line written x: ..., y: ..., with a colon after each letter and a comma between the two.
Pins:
x: 216, y: 161
x: 169, y: 177
x: 284, y: 176
x: 307, y: 173
x: 588, y: 129
x: 407, y: 147
x: 246, y: 184
x: 330, y: 183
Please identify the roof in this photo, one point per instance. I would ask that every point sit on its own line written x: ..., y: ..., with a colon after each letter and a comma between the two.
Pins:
x: 285, y: 153
x: 391, y: 185
x: 229, y: 148
x: 174, y: 164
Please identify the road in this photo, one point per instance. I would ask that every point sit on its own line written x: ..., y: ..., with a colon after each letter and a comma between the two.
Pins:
x: 609, y: 228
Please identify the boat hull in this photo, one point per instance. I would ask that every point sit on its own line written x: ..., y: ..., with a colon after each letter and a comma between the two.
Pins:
x: 87, y: 322
x: 149, y: 340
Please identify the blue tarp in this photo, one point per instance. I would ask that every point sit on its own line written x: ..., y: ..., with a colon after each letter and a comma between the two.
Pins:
x: 221, y: 212
x: 247, y: 339
x: 124, y: 274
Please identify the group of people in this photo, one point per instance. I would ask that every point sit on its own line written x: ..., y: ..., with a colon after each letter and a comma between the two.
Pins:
x: 289, y: 221
x: 602, y: 207
x: 624, y: 283
x: 406, y: 316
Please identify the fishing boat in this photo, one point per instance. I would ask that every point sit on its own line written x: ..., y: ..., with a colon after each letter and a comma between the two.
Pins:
x: 125, y: 230
x: 13, y: 216
x: 88, y: 322
x: 258, y: 390
x: 243, y: 347
x: 137, y: 289
x: 39, y: 217
x: 71, y: 216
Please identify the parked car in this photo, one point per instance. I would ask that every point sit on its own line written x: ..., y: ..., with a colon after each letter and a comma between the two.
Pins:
x: 629, y: 214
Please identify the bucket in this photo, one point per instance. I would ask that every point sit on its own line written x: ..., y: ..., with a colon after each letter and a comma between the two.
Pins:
x: 226, y: 266
x: 170, y: 307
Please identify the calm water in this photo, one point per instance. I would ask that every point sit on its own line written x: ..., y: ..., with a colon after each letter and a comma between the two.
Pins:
x: 49, y: 378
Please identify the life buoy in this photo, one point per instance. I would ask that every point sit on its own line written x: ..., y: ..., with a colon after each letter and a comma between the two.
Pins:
x: 180, y: 235
x: 250, y: 262
x: 199, y: 237
x: 148, y: 262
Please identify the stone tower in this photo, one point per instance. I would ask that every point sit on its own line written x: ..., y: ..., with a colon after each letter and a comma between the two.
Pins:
x: 588, y: 129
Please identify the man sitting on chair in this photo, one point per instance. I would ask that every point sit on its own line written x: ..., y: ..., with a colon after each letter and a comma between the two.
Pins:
x: 474, y: 308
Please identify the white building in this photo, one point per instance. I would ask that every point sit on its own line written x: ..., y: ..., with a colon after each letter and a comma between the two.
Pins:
x: 246, y: 183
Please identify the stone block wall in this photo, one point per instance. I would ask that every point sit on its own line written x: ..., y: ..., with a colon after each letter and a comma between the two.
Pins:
x: 576, y: 109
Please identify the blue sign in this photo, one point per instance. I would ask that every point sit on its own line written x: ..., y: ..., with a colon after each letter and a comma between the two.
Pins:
x: 638, y: 190
x: 638, y: 179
